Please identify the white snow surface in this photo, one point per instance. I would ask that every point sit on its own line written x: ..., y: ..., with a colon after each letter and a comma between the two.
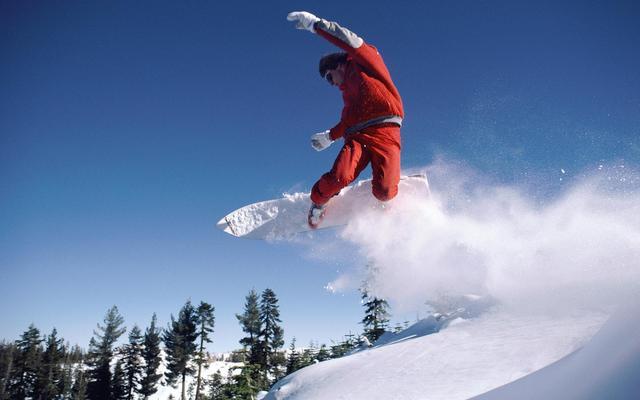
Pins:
x: 608, y: 367
x: 467, y: 358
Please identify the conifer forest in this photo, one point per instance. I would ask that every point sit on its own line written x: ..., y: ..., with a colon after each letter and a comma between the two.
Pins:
x: 126, y: 363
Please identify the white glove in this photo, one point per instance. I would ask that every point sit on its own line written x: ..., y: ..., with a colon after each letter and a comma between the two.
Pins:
x: 321, y: 141
x: 305, y: 20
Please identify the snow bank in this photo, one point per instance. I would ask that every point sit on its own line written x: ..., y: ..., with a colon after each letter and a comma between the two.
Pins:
x: 608, y: 367
x: 467, y: 358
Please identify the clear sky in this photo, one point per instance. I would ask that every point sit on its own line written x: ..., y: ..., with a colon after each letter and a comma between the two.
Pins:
x: 128, y: 128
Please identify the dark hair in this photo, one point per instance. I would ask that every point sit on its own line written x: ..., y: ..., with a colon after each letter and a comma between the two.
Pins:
x: 331, y: 61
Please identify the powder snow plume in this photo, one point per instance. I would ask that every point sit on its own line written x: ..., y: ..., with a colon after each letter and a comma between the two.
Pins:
x: 579, y: 249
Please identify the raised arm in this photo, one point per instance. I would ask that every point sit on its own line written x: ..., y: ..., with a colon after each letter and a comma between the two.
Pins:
x: 362, y: 53
x: 339, y: 36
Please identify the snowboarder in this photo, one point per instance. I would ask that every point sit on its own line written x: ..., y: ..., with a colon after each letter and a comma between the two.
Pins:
x: 371, y: 117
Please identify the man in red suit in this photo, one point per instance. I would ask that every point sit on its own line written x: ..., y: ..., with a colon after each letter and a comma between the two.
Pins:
x: 371, y: 117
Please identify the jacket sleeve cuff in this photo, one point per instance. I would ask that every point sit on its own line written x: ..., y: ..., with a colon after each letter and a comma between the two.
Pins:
x: 337, y: 131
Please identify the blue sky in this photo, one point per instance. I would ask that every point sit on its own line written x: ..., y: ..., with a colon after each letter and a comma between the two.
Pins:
x: 127, y: 129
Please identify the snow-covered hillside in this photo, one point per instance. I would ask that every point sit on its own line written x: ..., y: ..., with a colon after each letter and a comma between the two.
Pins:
x: 465, y: 359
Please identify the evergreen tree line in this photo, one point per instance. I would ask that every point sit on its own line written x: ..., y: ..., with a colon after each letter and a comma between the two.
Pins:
x: 43, y: 368
x: 264, y: 362
x: 37, y: 367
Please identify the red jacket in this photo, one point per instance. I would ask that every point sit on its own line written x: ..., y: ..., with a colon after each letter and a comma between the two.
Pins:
x: 369, y: 95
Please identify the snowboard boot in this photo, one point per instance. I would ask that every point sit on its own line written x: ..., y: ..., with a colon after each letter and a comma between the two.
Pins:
x: 316, y: 214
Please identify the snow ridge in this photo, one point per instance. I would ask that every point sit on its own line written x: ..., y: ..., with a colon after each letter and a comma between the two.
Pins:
x: 464, y: 359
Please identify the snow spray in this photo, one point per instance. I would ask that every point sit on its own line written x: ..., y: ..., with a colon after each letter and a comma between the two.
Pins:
x: 579, y: 248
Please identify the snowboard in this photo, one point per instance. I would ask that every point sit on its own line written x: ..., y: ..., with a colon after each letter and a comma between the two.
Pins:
x: 287, y: 216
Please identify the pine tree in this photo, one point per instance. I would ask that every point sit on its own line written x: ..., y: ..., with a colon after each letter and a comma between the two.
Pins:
x: 271, y: 334
x: 250, y: 322
x: 79, y: 389
x: 67, y: 374
x: 376, y: 318
x: 308, y: 356
x: 191, y: 390
x: 8, y: 353
x: 243, y: 385
x: 298, y: 360
x: 323, y: 354
x: 216, y: 387
x: 251, y: 325
x: 76, y: 354
x: 50, y: 377
x: 101, y: 354
x: 152, y: 359
x: 24, y: 375
x: 341, y: 349
x: 293, y: 361
x: 179, y: 341
x: 119, y: 383
x: 206, y: 322
x: 337, y: 350
x: 132, y: 362
x: 73, y: 356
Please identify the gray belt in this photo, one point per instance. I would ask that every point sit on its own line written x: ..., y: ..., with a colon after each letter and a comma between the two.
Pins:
x: 387, y: 119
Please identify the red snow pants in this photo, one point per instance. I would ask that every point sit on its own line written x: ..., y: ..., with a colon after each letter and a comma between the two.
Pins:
x: 379, y: 145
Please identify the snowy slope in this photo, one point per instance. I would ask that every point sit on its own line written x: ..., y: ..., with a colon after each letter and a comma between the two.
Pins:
x: 608, y: 367
x: 465, y: 359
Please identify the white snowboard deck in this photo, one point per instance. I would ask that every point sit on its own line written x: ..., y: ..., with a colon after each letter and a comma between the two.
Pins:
x: 287, y: 216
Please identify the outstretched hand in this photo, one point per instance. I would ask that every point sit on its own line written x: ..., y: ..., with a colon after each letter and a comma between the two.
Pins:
x: 305, y: 20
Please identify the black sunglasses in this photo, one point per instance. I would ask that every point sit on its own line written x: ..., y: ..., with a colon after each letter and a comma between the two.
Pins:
x: 328, y: 77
